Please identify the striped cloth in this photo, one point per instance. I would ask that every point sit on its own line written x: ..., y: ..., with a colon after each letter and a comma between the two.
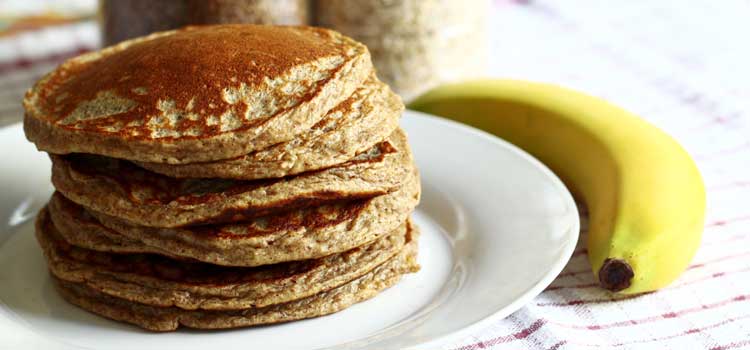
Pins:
x: 25, y: 56
x: 681, y: 65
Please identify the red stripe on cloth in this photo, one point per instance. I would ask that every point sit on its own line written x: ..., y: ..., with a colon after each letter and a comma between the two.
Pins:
x: 723, y: 258
x: 575, y: 286
x: 541, y: 322
x: 730, y: 185
x: 709, y: 277
x: 583, y: 251
x: 590, y: 301
x: 687, y: 332
x: 599, y: 301
x: 724, y: 152
x: 525, y: 333
x: 732, y: 345
x: 24, y: 62
x: 739, y: 237
x: 573, y: 273
x: 722, y: 120
x: 674, y: 314
x: 727, y: 221
x: 676, y: 335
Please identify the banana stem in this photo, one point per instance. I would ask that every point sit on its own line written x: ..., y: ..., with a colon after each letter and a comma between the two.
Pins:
x: 615, y: 275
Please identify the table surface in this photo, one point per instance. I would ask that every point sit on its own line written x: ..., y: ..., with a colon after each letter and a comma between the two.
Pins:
x: 681, y: 65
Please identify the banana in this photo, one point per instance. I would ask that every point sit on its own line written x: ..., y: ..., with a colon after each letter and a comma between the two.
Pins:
x: 645, y: 195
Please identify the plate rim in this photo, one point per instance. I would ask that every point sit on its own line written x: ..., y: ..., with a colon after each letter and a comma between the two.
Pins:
x: 554, y: 270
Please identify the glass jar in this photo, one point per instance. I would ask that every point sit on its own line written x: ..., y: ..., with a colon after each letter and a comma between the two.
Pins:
x: 415, y: 44
x: 125, y: 19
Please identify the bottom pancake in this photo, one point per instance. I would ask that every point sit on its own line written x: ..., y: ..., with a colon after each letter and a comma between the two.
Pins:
x: 170, y: 318
x: 160, y: 281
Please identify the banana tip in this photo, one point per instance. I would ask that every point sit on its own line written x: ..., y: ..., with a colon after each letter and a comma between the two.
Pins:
x: 615, y: 275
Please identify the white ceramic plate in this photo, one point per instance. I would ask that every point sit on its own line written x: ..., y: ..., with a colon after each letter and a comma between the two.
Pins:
x: 497, y: 228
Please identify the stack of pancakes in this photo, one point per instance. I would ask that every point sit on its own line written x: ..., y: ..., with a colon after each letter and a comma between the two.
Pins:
x: 223, y: 176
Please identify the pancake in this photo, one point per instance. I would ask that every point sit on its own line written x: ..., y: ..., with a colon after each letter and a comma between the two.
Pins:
x: 157, y: 280
x: 352, y: 127
x: 81, y: 229
x: 304, y: 233
x: 119, y: 188
x: 195, y: 94
x: 170, y: 318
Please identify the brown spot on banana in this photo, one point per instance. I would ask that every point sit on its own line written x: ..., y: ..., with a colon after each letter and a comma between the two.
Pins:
x: 615, y: 275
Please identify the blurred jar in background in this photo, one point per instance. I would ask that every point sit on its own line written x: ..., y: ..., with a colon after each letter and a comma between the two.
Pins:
x: 415, y: 44
x: 125, y: 19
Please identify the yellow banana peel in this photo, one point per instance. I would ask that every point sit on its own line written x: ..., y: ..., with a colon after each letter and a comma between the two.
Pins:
x: 645, y: 195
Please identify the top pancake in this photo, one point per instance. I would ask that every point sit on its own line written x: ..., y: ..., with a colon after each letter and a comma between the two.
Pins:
x: 195, y: 94
x: 367, y: 117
